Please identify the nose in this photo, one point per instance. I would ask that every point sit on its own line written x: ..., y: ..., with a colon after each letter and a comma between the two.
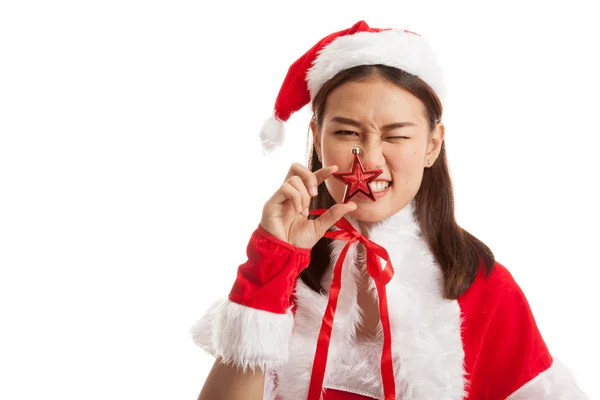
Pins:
x: 373, y: 157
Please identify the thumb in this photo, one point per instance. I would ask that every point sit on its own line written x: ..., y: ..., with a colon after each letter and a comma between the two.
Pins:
x: 331, y: 216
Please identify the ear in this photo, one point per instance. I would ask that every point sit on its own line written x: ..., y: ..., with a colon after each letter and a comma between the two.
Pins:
x: 435, y: 144
x: 316, y: 137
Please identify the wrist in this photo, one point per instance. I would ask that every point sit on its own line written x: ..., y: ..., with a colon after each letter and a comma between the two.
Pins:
x: 262, y: 232
x: 267, y: 279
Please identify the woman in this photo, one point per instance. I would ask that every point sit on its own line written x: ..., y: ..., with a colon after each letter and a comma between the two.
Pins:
x: 312, y: 311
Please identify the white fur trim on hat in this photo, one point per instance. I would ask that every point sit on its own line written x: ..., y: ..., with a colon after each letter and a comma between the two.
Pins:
x: 396, y: 48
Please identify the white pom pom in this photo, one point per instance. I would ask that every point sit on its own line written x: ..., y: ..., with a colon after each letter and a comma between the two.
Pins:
x: 272, y: 134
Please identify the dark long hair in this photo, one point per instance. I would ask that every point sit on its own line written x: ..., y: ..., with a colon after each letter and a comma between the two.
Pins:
x: 458, y: 253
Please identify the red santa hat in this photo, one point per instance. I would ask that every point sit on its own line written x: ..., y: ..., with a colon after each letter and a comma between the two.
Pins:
x: 358, y: 45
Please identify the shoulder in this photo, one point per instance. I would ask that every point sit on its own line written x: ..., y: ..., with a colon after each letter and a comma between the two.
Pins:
x: 495, y: 299
x: 495, y: 311
x: 503, y: 346
x: 499, y: 278
x: 499, y: 286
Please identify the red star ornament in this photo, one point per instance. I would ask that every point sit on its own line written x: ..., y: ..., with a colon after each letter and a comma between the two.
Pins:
x: 357, y: 180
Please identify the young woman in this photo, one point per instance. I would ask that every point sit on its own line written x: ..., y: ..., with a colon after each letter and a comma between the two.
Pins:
x: 314, y: 313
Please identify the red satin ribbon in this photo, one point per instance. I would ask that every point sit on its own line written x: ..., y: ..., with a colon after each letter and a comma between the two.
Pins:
x: 381, y: 278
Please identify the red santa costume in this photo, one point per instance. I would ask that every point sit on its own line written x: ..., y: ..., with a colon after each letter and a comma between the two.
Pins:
x: 483, y: 345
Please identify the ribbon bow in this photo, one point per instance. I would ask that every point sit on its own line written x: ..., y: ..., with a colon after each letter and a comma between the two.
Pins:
x: 381, y: 277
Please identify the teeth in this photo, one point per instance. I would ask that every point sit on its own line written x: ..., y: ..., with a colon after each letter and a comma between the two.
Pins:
x: 379, y: 186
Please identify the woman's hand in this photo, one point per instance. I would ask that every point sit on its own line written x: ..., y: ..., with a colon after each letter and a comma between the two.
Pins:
x: 285, y: 214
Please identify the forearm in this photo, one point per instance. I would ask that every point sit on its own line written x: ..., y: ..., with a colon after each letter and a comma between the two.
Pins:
x: 249, y: 332
x: 226, y: 382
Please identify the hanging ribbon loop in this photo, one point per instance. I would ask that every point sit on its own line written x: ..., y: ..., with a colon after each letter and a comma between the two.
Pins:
x: 381, y: 277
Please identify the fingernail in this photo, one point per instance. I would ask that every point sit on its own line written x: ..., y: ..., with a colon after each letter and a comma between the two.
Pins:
x: 299, y: 208
x: 305, y: 212
x: 313, y: 190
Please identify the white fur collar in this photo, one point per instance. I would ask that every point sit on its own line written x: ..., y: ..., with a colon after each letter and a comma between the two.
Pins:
x: 426, y: 339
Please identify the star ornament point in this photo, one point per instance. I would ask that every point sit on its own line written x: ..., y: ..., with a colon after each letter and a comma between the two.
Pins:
x: 357, y: 180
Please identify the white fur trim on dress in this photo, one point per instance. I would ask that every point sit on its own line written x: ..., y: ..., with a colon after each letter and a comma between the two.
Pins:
x: 396, y: 48
x: 556, y: 383
x: 243, y: 336
x: 270, y: 388
x: 427, y: 348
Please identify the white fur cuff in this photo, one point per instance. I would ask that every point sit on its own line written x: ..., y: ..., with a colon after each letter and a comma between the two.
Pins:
x: 244, y: 336
x: 557, y: 382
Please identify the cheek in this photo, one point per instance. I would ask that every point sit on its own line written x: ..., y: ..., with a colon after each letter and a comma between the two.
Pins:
x: 336, y: 154
x: 332, y: 149
x: 406, y: 165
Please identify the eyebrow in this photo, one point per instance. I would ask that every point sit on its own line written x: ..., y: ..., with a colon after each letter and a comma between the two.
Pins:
x: 357, y: 124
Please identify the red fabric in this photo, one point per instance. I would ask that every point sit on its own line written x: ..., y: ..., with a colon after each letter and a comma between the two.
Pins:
x: 381, y: 277
x: 332, y: 394
x: 266, y: 281
x: 503, y: 346
x: 294, y: 93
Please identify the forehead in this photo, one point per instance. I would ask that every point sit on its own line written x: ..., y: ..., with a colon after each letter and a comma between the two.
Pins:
x: 374, y: 98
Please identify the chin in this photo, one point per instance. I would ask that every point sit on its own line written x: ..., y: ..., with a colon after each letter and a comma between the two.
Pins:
x: 377, y: 211
x: 364, y: 213
x: 387, y: 204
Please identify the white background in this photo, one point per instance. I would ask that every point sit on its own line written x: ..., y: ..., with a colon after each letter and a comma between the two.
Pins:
x: 131, y: 174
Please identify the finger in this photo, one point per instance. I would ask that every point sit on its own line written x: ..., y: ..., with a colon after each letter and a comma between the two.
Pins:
x: 297, y: 169
x: 310, y: 180
x: 325, y: 173
x: 331, y: 216
x: 299, y: 185
x: 288, y: 192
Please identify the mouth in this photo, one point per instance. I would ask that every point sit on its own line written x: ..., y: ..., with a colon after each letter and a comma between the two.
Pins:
x: 379, y: 186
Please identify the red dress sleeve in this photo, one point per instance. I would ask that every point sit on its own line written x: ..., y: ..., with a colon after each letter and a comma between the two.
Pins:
x: 267, y: 279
